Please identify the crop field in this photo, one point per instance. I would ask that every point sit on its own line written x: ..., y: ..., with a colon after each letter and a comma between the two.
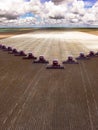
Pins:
x: 34, y: 98
x: 54, y: 44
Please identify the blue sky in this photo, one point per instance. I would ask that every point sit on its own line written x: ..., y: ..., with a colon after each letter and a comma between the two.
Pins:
x: 44, y: 1
x: 90, y: 3
x: 29, y: 14
x: 27, y: 0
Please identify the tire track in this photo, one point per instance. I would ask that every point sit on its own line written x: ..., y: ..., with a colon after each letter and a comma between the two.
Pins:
x: 20, y: 104
x: 86, y: 80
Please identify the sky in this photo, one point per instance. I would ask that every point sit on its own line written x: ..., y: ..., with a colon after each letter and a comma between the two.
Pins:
x: 52, y: 13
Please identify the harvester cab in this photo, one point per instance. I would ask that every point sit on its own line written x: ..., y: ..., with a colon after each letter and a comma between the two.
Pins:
x: 55, y: 62
x: 41, y: 60
x: 4, y: 47
x: 55, y: 65
x: 22, y: 53
x: 82, y: 55
x: 91, y: 54
x: 9, y: 49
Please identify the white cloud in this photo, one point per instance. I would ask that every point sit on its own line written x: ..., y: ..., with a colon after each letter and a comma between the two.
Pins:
x: 49, y: 12
x: 11, y: 9
x: 54, y: 11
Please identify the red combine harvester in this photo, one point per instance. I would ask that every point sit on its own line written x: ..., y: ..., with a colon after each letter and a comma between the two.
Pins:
x: 82, y: 57
x: 70, y: 60
x: 55, y: 65
x: 4, y: 47
x: 30, y: 56
x: 91, y: 54
x: 8, y: 49
x: 41, y: 60
x: 14, y: 51
x: 21, y: 53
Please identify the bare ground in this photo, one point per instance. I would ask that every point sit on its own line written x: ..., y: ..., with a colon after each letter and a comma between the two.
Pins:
x: 32, y: 97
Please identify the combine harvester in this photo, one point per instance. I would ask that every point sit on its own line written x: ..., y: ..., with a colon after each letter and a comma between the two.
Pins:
x: 70, y: 60
x: 30, y: 56
x: 55, y: 65
x: 41, y: 60
x: 8, y: 49
x: 14, y: 51
x: 21, y: 53
x: 2, y: 47
x: 91, y: 54
x: 82, y: 56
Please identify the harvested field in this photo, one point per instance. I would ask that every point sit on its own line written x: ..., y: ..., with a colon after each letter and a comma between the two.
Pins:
x: 33, y: 98
x: 54, y: 44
